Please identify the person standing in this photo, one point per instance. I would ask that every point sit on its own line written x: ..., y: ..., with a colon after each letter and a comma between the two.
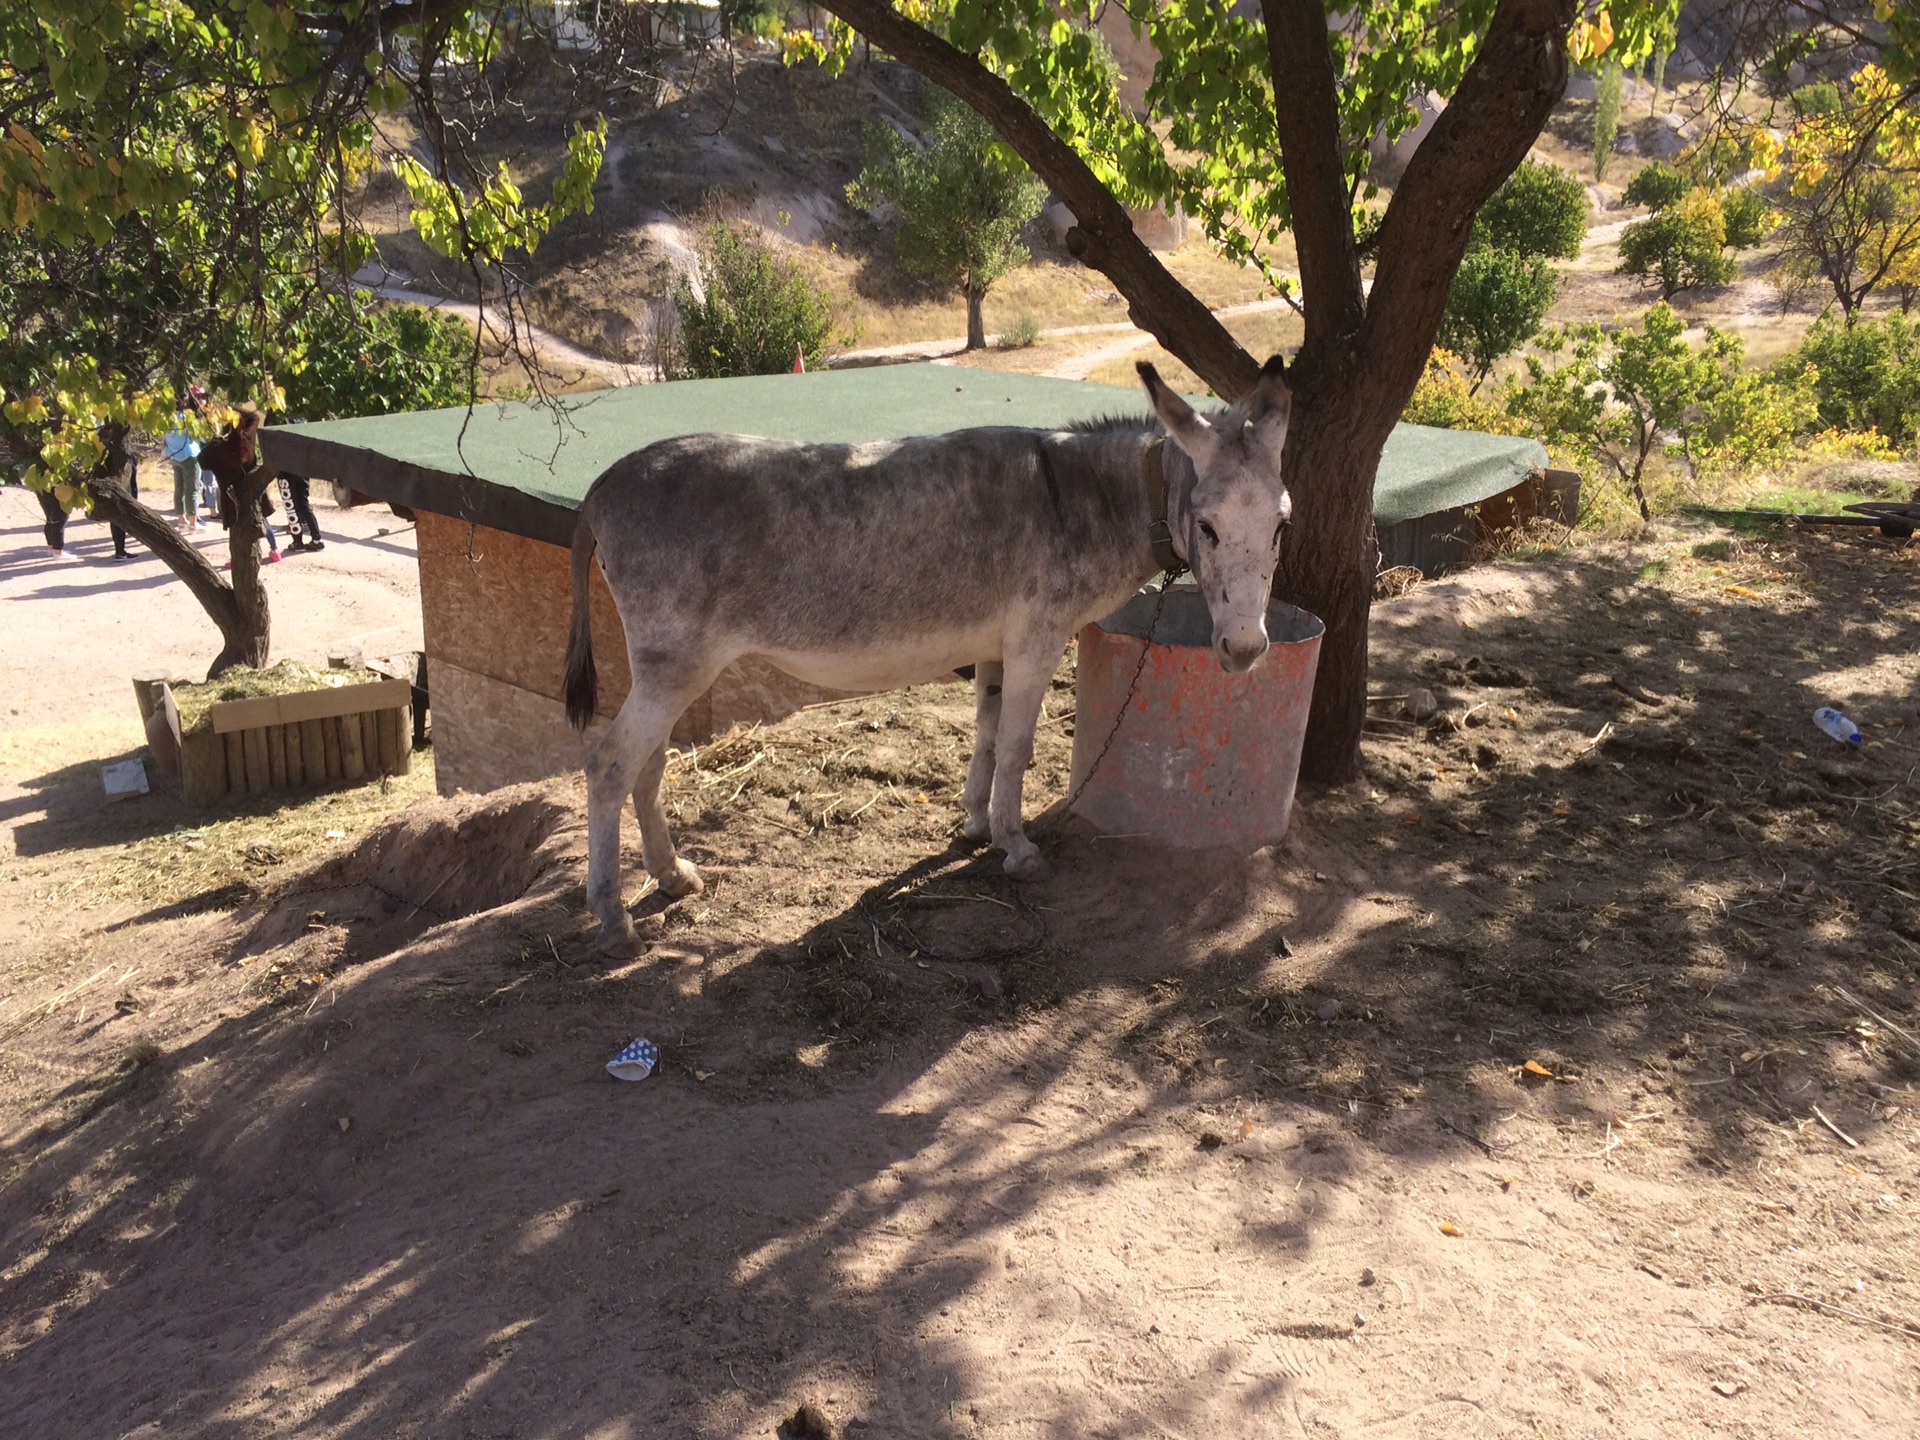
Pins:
x: 183, y: 453
x: 302, y: 528
x: 133, y: 489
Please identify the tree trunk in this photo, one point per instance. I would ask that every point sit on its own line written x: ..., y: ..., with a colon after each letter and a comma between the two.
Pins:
x: 239, y: 610
x: 249, y: 646
x: 976, y: 321
x: 1327, y: 567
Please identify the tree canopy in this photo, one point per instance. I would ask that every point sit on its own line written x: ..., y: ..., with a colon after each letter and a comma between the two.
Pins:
x: 174, y: 187
x: 1505, y: 285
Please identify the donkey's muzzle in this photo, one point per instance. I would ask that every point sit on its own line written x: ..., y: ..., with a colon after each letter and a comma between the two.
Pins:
x: 1241, y: 653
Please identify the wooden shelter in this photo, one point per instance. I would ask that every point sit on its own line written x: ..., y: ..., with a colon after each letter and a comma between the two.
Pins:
x: 495, y: 490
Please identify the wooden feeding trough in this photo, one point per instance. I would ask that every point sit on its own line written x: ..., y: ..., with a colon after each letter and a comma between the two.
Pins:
x: 332, y: 735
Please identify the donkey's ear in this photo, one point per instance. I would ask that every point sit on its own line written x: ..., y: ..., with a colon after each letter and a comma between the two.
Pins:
x: 1190, y: 432
x: 1269, y: 404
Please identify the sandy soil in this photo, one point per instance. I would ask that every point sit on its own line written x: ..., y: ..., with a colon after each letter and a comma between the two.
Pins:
x: 1500, y: 1100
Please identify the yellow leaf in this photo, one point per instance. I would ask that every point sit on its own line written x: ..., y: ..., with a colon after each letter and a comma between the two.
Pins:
x: 1534, y: 1067
x: 1447, y: 1227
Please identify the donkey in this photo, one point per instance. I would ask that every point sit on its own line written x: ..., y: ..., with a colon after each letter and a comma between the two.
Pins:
x: 870, y: 567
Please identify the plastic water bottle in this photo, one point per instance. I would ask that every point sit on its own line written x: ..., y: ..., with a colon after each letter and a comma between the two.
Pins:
x: 1837, y: 725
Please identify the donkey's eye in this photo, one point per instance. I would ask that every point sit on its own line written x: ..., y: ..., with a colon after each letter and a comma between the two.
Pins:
x: 1208, y: 531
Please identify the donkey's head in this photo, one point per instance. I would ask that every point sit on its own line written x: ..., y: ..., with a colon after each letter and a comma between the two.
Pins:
x: 1228, y: 524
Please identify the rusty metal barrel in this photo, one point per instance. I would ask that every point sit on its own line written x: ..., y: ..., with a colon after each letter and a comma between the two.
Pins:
x: 1202, y: 759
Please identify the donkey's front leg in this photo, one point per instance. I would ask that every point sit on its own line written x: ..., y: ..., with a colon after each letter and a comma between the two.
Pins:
x: 1026, y: 669
x: 987, y: 682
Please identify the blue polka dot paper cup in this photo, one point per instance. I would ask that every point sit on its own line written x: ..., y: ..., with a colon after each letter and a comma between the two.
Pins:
x: 636, y: 1062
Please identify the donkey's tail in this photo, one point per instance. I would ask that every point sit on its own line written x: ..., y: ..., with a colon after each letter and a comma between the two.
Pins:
x: 582, y: 683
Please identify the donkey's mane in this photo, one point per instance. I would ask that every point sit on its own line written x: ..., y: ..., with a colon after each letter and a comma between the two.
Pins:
x: 1148, y: 424
x: 1111, y: 424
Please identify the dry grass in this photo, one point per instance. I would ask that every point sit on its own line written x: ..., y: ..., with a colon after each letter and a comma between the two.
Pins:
x: 1262, y: 334
x: 885, y: 310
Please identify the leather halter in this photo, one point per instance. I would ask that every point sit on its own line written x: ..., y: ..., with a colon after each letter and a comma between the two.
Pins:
x: 1159, y: 529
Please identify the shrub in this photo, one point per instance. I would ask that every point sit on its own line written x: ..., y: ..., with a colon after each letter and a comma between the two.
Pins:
x: 1657, y: 186
x: 1540, y: 210
x: 1445, y: 398
x: 1021, y: 334
x: 1498, y: 299
x: 1851, y: 445
x: 759, y: 310
x: 1680, y: 247
x: 363, y: 357
x: 1868, y: 374
x: 1745, y: 418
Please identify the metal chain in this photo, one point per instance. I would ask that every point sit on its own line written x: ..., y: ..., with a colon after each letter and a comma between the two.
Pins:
x: 1166, y: 584
x: 900, y: 892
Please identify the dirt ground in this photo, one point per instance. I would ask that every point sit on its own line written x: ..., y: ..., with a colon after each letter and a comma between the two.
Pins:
x: 1503, y: 1098
x: 82, y: 628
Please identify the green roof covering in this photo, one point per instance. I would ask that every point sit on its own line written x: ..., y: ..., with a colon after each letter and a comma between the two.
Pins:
x: 525, y: 468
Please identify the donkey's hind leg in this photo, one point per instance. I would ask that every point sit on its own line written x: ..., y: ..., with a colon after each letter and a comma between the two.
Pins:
x: 987, y: 677
x: 613, y: 771
x: 676, y: 878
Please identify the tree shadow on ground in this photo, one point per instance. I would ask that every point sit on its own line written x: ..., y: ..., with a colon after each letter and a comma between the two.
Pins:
x: 408, y: 1199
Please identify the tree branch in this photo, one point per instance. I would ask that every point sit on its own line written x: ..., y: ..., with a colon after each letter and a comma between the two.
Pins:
x: 1307, y: 115
x: 1103, y: 236
x: 1477, y: 142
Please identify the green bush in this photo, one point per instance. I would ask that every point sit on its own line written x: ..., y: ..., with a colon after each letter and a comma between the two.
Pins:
x: 1541, y: 210
x: 1498, y: 299
x: 358, y: 356
x: 1867, y: 374
x: 1023, y: 333
x: 1446, y: 399
x: 759, y: 310
x: 1822, y: 97
x: 1745, y: 418
x: 1657, y: 186
x: 1681, y: 247
x: 1748, y: 217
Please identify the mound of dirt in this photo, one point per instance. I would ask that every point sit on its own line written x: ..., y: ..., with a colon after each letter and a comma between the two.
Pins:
x: 437, y: 862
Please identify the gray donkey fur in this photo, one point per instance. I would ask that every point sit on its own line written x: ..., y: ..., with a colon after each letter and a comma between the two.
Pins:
x: 869, y: 567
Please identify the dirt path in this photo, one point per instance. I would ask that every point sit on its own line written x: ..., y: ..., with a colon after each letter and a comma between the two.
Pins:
x: 1070, y: 369
x: 84, y: 627
x: 567, y: 363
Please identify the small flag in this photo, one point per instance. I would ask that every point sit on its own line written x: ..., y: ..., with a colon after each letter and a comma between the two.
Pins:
x: 799, y: 361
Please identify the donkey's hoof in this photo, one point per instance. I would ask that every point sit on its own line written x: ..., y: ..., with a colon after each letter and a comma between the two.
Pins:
x: 977, y: 827
x: 1024, y: 861
x: 617, y: 942
x: 681, y: 881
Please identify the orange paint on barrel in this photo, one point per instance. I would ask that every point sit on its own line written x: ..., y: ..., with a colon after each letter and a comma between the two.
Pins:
x: 1202, y: 758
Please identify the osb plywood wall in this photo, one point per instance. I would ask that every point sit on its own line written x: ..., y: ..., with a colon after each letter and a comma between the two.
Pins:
x: 497, y: 606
